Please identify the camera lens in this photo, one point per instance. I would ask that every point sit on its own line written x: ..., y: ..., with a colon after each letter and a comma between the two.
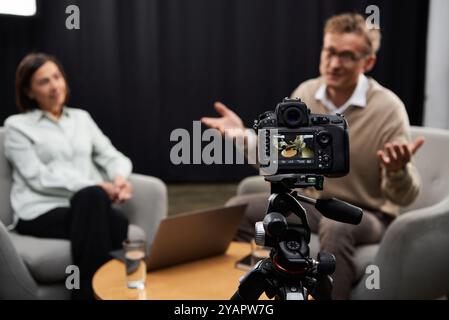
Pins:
x: 293, y: 116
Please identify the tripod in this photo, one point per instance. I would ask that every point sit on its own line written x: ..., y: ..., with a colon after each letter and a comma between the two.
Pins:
x: 289, y: 273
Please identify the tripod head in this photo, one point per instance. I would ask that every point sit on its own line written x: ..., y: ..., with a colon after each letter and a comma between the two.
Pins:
x: 290, y: 273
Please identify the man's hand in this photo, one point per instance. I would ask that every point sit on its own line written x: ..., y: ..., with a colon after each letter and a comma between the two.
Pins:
x: 228, y: 121
x: 124, y: 189
x: 395, y: 156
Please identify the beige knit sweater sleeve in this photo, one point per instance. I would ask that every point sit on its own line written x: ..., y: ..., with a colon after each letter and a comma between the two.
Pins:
x: 401, y: 190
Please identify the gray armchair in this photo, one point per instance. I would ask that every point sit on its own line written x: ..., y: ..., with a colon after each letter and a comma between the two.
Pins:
x: 412, y: 257
x: 34, y: 268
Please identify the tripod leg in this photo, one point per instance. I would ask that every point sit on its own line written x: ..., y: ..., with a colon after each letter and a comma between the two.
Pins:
x: 253, y: 284
x: 323, y: 288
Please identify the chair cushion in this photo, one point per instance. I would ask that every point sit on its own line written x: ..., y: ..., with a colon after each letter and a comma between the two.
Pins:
x: 364, y: 256
x: 47, y: 259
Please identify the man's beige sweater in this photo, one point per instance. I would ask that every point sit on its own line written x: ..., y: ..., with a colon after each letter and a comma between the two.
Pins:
x: 383, y: 119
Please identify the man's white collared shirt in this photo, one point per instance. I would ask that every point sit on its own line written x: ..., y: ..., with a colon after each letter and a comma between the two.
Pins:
x: 358, y: 97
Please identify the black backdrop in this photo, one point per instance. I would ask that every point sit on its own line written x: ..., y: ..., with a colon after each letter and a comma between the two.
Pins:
x: 144, y: 67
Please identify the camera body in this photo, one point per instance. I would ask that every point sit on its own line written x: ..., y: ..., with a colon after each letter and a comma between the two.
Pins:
x: 293, y: 140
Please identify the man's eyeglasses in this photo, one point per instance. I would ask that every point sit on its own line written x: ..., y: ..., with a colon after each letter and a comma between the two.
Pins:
x: 345, y: 57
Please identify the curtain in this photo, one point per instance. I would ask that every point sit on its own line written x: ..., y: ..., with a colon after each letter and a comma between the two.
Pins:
x: 143, y: 68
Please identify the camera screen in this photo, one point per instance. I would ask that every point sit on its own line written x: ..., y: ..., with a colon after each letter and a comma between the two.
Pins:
x: 294, y: 147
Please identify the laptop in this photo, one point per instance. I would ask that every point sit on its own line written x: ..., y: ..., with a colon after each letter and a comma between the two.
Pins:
x: 194, y: 235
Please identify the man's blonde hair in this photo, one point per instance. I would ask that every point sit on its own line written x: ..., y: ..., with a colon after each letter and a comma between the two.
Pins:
x: 355, y: 23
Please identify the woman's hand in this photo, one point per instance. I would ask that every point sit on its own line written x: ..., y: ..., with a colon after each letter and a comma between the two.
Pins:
x: 124, y: 189
x: 110, y: 189
x: 119, y: 191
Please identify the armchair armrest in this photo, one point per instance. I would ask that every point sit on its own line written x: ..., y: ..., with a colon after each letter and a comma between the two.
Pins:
x: 253, y: 184
x: 413, y: 256
x: 148, y: 204
x: 16, y: 281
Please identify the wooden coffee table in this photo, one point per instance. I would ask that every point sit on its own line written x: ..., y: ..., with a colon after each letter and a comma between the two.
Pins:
x: 212, y: 278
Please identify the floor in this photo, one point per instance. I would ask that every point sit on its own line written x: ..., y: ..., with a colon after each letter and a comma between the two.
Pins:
x: 184, y: 197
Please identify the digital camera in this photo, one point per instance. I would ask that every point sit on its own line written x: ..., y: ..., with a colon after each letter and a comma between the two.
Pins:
x: 293, y: 140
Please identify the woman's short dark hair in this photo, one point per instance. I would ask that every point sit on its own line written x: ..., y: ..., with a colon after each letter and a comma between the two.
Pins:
x: 25, y: 71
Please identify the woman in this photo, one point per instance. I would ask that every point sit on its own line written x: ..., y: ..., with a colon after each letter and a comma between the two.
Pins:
x: 56, y: 153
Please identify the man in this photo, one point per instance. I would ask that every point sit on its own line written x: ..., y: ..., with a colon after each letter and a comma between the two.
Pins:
x: 381, y: 177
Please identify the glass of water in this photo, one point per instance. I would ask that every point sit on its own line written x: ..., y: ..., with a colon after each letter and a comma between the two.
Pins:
x: 136, y: 269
